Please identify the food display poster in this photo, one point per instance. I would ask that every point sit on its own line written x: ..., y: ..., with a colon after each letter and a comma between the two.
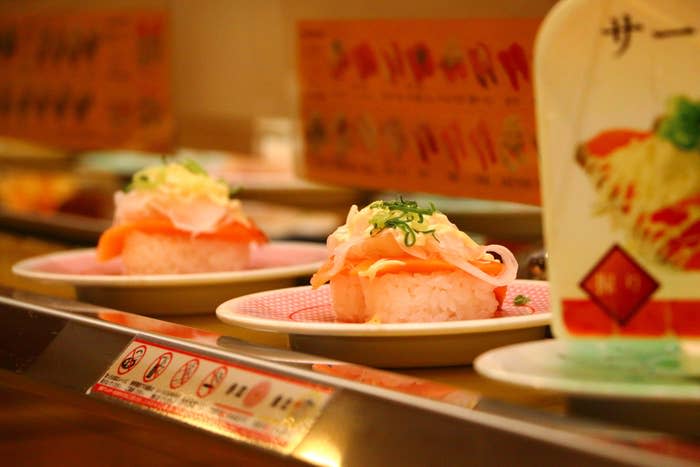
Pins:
x: 440, y: 106
x: 86, y: 79
x: 619, y: 136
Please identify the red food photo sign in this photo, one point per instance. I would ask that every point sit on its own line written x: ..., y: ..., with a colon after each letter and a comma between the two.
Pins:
x: 87, y: 79
x: 443, y: 106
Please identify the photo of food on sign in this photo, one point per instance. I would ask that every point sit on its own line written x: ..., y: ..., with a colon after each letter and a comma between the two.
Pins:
x: 648, y: 183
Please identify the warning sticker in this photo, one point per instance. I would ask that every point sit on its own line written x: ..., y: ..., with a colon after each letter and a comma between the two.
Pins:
x: 227, y: 398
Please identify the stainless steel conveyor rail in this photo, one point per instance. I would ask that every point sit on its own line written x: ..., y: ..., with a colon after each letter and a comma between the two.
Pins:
x: 59, y: 355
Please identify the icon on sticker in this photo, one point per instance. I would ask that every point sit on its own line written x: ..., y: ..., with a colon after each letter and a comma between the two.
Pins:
x: 157, y: 367
x: 212, y: 381
x: 257, y: 393
x: 131, y: 360
x: 184, y: 373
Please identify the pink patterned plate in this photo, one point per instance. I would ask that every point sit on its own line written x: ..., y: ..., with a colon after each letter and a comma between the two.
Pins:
x: 306, y: 315
x: 274, y: 265
x: 302, y: 310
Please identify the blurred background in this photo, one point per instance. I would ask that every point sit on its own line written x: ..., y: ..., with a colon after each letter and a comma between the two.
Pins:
x: 90, y: 92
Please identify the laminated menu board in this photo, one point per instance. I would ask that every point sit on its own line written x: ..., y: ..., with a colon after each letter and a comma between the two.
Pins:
x: 443, y: 106
x: 618, y: 105
x: 86, y: 79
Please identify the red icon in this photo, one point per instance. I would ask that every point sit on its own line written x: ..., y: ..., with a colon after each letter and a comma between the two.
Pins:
x: 131, y: 360
x: 212, y: 381
x: 421, y: 62
x: 365, y: 61
x: 619, y: 285
x: 482, y: 64
x: 157, y: 367
x: 514, y: 62
x: 184, y: 373
x: 257, y: 393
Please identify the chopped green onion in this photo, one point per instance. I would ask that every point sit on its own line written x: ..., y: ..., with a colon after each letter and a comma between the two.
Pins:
x: 233, y: 191
x: 521, y: 300
x: 402, y: 215
x: 193, y: 166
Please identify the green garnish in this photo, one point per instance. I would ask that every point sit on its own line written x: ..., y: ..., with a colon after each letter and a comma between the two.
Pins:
x: 521, y: 300
x: 233, y: 191
x: 145, y: 179
x: 406, y: 216
x: 682, y: 124
x: 140, y: 180
x: 182, y: 178
x: 193, y: 166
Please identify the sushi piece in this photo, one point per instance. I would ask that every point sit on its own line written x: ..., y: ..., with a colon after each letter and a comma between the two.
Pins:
x: 397, y: 262
x: 176, y: 219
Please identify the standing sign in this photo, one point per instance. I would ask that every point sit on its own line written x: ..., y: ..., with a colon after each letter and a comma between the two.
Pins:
x: 84, y: 80
x: 444, y: 106
x: 230, y: 399
x: 618, y: 103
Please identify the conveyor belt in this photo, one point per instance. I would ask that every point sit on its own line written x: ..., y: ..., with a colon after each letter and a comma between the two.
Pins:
x: 48, y: 355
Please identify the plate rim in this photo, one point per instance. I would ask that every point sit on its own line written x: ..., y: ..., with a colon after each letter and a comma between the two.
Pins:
x: 379, y: 329
x: 483, y: 365
x: 25, y: 268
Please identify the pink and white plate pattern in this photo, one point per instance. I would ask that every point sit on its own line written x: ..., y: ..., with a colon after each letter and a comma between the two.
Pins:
x: 303, y: 310
x: 304, y: 304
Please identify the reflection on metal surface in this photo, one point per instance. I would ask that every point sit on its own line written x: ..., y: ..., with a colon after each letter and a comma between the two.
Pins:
x: 22, y: 344
x: 271, y: 353
x: 406, y: 384
x: 322, y: 452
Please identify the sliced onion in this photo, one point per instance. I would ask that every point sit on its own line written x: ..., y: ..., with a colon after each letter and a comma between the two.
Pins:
x: 506, y: 276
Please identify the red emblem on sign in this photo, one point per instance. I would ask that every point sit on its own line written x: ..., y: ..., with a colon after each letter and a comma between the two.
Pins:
x: 619, y: 285
x: 184, y: 373
x: 131, y: 360
x: 158, y: 366
x: 211, y: 381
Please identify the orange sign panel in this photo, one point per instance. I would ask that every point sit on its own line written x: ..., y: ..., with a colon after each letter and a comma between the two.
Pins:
x: 441, y: 106
x: 84, y: 80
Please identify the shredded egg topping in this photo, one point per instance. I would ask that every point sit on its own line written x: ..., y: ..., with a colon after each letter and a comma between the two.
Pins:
x: 182, y: 192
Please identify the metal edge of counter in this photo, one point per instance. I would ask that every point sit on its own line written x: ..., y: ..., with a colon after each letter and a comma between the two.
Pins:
x: 370, y: 425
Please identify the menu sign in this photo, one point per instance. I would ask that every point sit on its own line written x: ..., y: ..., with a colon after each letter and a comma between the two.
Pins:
x: 83, y: 80
x: 444, y: 106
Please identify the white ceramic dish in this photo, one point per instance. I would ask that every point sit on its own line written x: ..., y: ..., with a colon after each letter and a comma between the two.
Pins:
x: 649, y: 374
x: 274, y: 265
x: 307, y: 316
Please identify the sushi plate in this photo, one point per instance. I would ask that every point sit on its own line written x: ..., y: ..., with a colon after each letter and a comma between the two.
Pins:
x: 649, y: 373
x: 306, y: 315
x: 274, y: 265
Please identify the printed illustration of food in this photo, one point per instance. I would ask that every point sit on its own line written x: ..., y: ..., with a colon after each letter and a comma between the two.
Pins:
x: 618, y: 108
x: 438, y: 105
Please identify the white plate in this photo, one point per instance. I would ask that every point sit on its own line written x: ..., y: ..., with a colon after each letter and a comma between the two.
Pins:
x: 651, y: 372
x: 307, y: 316
x: 274, y: 265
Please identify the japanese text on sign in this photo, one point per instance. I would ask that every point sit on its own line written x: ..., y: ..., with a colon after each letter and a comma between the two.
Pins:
x: 620, y: 30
